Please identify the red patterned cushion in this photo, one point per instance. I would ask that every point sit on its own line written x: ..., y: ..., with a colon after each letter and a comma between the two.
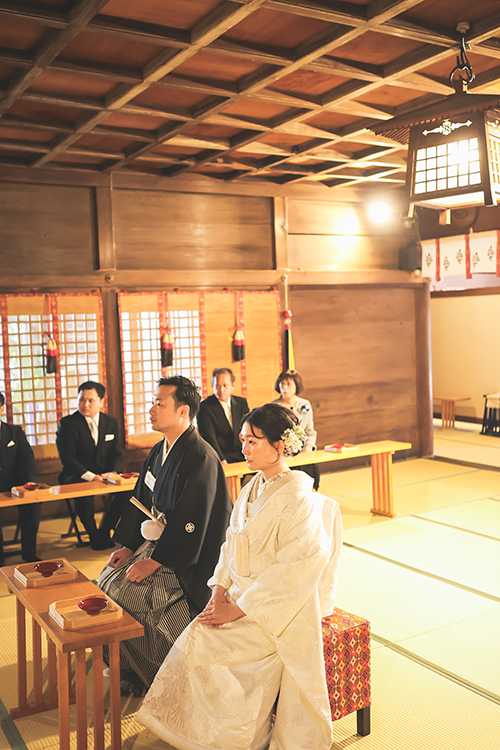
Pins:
x: 346, y: 645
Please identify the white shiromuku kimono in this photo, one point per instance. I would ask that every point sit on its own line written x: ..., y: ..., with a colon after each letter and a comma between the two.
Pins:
x: 219, y: 688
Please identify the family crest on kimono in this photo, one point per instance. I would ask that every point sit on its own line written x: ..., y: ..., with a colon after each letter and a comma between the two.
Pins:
x: 159, y: 575
x: 249, y: 672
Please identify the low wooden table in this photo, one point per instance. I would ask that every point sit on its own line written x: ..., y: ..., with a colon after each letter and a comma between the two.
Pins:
x: 381, y: 461
x: 60, y: 644
x: 448, y: 409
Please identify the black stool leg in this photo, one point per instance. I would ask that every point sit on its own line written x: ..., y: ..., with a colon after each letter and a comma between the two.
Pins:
x: 363, y: 721
x: 73, y: 525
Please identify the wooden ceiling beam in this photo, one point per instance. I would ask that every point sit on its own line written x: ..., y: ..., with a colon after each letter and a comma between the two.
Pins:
x: 217, y: 23
x: 18, y: 10
x: 51, y: 46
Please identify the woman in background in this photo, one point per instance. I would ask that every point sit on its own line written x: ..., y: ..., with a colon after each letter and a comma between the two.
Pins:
x: 289, y: 385
x: 250, y: 669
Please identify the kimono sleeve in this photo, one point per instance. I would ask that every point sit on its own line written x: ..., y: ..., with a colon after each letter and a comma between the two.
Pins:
x: 304, y: 547
x: 221, y: 575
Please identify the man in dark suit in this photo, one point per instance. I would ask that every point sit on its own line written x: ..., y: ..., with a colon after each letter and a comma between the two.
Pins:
x: 89, y: 449
x: 17, y: 466
x: 220, y: 417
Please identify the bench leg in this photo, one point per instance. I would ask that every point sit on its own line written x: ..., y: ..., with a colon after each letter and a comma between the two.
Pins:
x: 382, y: 491
x: 363, y: 721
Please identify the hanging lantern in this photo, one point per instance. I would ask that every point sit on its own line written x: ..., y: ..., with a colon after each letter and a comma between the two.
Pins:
x: 51, y: 357
x: 453, y: 145
x: 167, y: 349
x: 288, y: 358
x: 238, y: 345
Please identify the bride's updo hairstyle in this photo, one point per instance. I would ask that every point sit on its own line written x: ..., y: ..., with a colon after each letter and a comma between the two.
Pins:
x: 272, y: 420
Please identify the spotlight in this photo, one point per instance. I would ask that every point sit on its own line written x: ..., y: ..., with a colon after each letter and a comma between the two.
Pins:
x: 380, y: 212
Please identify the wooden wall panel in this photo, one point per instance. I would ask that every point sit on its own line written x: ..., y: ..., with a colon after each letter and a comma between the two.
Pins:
x: 325, y: 236
x: 355, y: 350
x: 262, y: 338
x: 46, y: 229
x: 340, y: 253
x: 191, y: 231
x: 219, y: 314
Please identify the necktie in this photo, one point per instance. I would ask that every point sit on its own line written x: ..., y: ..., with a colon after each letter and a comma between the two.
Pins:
x: 94, y: 431
x: 227, y: 412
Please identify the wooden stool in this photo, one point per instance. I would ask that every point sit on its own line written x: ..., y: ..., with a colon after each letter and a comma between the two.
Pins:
x: 346, y: 645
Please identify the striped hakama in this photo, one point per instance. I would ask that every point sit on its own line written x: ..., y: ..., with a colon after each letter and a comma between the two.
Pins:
x: 159, y: 604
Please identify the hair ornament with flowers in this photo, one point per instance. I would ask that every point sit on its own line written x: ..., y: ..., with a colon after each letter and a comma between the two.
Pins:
x: 294, y: 440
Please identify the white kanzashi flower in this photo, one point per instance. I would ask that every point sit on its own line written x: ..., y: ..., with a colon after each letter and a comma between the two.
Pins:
x: 294, y: 440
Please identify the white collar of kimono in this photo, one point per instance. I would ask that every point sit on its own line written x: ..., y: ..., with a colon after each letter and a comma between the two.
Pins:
x: 167, y: 448
x: 240, y: 516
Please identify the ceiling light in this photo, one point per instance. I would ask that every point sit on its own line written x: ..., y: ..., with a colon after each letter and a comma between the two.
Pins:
x: 453, y: 145
x: 379, y: 212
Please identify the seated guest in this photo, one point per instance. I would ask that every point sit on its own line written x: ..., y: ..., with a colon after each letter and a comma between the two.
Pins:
x: 220, y: 417
x: 289, y: 385
x: 89, y: 449
x: 17, y: 466
x: 160, y: 574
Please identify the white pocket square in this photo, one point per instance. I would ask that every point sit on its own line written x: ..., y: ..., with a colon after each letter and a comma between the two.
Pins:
x: 109, y: 437
x: 9, y: 445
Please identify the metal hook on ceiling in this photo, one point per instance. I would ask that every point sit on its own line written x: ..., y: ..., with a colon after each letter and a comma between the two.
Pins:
x: 463, y: 67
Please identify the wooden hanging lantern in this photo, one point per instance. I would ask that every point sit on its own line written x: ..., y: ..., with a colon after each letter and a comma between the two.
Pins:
x: 453, y: 146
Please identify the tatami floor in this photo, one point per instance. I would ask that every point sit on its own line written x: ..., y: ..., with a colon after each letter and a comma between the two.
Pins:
x: 428, y: 581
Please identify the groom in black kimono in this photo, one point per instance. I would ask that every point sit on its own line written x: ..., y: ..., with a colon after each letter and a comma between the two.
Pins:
x: 160, y: 575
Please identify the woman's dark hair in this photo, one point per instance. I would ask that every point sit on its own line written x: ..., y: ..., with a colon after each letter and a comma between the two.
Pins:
x: 272, y: 420
x: 290, y: 375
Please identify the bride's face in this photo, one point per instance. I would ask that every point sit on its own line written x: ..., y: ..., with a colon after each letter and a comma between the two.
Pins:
x: 259, y: 454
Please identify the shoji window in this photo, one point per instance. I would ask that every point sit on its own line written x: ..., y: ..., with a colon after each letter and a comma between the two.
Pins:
x: 202, y: 326
x: 37, y: 400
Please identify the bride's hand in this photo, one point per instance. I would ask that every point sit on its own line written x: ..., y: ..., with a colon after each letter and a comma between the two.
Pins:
x: 218, y: 613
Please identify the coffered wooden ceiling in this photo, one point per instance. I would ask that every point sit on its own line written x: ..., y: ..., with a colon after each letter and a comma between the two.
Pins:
x: 245, y: 90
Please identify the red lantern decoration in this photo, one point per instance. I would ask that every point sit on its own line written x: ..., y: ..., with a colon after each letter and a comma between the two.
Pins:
x: 288, y: 358
x: 51, y: 357
x: 238, y: 346
x: 167, y: 349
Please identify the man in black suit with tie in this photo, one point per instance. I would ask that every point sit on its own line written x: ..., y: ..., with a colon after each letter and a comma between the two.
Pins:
x: 220, y: 417
x: 89, y: 449
x: 17, y: 466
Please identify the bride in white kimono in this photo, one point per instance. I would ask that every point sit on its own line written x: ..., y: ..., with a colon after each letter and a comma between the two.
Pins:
x: 249, y: 670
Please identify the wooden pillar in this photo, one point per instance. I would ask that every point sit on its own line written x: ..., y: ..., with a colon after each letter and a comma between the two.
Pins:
x: 424, y: 369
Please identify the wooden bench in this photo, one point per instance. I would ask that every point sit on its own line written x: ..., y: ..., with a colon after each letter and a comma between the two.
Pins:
x: 448, y: 409
x: 381, y: 463
x: 66, y: 492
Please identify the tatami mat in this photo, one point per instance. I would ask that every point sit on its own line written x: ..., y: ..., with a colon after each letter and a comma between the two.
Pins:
x: 454, y: 555
x: 480, y: 517
x: 400, y: 603
x: 465, y: 443
x: 468, y: 649
x: 429, y: 620
x: 415, y: 709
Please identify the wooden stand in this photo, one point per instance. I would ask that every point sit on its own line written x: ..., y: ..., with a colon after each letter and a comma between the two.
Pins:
x: 448, y: 410
x: 60, y: 644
